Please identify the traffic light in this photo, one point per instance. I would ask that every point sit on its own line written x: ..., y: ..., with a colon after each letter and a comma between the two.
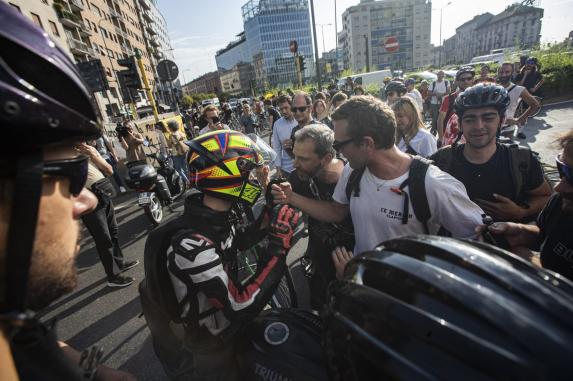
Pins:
x: 301, y: 63
x: 92, y: 72
x: 130, y: 76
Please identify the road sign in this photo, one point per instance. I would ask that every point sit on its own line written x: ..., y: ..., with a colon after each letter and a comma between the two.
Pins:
x: 167, y: 70
x: 391, y: 45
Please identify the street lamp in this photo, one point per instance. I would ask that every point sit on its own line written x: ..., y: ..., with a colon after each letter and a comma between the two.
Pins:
x: 322, y: 31
x: 441, y: 42
x: 336, y: 36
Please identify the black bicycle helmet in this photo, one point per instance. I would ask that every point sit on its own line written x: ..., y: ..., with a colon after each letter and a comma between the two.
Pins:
x: 396, y: 86
x: 480, y: 96
x: 43, y: 101
x: 435, y: 308
x: 464, y: 70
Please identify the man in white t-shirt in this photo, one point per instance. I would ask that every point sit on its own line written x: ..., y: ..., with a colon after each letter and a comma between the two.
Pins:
x: 281, y: 140
x: 365, y: 130
x: 437, y: 90
x: 516, y: 93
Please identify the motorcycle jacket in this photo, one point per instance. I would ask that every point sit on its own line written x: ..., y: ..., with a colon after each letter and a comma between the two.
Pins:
x: 200, y: 265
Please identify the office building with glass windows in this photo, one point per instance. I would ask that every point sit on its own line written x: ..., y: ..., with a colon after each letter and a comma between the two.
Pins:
x: 270, y: 26
x: 234, y: 53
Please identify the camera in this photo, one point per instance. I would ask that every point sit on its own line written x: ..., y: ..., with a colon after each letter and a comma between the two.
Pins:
x: 122, y: 130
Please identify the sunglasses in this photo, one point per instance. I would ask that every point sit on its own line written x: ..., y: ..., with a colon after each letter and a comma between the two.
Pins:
x: 215, y: 120
x: 338, y: 145
x: 299, y: 109
x: 75, y: 169
x: 565, y: 171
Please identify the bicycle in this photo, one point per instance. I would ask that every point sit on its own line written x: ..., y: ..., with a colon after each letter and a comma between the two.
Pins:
x: 522, y: 107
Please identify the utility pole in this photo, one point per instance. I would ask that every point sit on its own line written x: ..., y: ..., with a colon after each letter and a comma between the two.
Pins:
x: 441, y: 42
x: 315, y: 46
x: 366, y: 54
x: 336, y: 36
x: 146, y: 85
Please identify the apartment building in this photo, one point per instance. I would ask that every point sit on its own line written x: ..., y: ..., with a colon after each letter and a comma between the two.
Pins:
x: 386, y: 34
x: 107, y: 30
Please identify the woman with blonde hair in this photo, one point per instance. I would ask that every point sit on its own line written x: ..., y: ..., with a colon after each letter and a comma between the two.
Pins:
x: 412, y: 136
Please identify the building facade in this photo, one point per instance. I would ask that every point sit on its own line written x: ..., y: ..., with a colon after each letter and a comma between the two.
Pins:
x: 107, y: 30
x: 207, y: 83
x: 270, y: 26
x: 239, y: 80
x: 235, y: 52
x: 386, y: 34
x: 517, y: 27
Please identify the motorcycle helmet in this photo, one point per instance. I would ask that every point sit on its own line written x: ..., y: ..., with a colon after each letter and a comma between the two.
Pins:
x: 480, y: 96
x: 436, y: 308
x: 396, y: 86
x: 220, y: 163
x: 43, y: 101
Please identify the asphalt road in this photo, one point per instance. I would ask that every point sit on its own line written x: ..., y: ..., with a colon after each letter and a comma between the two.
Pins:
x: 97, y: 315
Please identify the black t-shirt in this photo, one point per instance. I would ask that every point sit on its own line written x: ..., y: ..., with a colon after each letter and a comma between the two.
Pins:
x: 323, y: 237
x: 557, y: 240
x: 483, y: 180
x: 530, y: 81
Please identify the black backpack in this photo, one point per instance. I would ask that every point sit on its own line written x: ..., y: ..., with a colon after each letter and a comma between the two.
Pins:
x: 417, y: 190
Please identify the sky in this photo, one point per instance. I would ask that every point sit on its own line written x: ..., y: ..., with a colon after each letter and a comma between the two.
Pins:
x: 199, y: 28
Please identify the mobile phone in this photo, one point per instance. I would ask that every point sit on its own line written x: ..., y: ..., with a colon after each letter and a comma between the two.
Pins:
x: 215, y: 120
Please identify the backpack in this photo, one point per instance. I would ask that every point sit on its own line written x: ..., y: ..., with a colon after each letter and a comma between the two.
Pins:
x: 445, y: 81
x: 417, y: 190
x: 520, y: 163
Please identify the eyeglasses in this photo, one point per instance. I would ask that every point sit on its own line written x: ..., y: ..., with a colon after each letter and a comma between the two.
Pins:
x: 338, y: 145
x: 299, y: 109
x: 75, y: 169
x: 565, y: 171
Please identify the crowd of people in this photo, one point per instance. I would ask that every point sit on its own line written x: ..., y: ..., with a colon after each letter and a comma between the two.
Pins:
x: 359, y: 169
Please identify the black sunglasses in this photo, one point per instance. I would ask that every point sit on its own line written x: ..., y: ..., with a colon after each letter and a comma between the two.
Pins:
x: 215, y: 120
x: 75, y: 169
x: 565, y: 171
x: 299, y: 109
x: 338, y: 145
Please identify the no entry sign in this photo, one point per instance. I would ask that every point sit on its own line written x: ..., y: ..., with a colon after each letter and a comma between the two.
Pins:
x: 392, y: 45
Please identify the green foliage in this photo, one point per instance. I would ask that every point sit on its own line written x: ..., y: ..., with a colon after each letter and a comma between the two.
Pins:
x: 187, y: 101
x: 199, y: 97
x: 557, y: 69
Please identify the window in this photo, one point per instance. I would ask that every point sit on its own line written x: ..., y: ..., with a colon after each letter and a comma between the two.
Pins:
x: 54, y: 28
x: 37, y: 20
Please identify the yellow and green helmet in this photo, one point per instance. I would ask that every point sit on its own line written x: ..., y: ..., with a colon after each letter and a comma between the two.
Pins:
x: 220, y: 163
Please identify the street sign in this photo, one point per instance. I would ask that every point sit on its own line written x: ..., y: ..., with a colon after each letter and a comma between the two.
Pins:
x: 391, y: 45
x: 92, y: 72
x: 167, y: 70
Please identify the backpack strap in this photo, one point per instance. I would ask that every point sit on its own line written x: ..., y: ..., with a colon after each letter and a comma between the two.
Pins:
x: 416, y: 183
x: 353, y: 184
x: 520, y: 163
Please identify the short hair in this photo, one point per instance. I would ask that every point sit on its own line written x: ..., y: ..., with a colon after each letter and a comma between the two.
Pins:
x: 284, y: 98
x: 307, y: 97
x: 320, y: 95
x: 506, y: 64
x: 565, y: 141
x: 209, y: 108
x: 321, y: 135
x: 359, y: 88
x: 368, y: 116
x: 338, y: 97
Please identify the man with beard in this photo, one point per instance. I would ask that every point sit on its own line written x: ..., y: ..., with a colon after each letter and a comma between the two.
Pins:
x: 506, y: 182
x: 302, y: 111
x: 316, y: 173
x: 552, y: 233
x: 281, y: 140
x: 448, y: 123
x: 516, y: 93
x: 47, y: 111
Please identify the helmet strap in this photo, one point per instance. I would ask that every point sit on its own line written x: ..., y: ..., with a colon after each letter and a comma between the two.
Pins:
x: 27, y: 192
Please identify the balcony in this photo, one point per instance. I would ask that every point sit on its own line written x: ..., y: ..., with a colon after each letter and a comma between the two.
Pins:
x: 84, y: 30
x: 144, y: 4
x: 76, y: 5
x: 120, y: 32
x: 150, y: 30
x: 114, y: 13
x: 154, y: 42
x: 69, y: 19
x: 147, y: 16
x: 126, y: 49
x: 77, y: 46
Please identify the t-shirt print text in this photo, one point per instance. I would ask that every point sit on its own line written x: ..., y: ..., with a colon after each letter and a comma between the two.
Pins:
x: 394, y: 214
x: 564, y: 252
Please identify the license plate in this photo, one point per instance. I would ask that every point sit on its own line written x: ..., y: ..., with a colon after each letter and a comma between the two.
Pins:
x: 144, y: 199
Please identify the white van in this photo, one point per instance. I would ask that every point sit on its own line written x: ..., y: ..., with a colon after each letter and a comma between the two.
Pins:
x: 210, y: 101
x: 366, y: 79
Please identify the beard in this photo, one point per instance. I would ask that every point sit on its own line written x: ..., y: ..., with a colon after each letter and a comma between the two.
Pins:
x: 504, y: 80
x: 52, y: 272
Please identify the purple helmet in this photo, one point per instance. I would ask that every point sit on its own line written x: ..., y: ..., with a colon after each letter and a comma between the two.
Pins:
x: 43, y: 99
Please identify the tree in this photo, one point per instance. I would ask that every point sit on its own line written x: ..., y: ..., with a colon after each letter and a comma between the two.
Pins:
x: 187, y: 101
